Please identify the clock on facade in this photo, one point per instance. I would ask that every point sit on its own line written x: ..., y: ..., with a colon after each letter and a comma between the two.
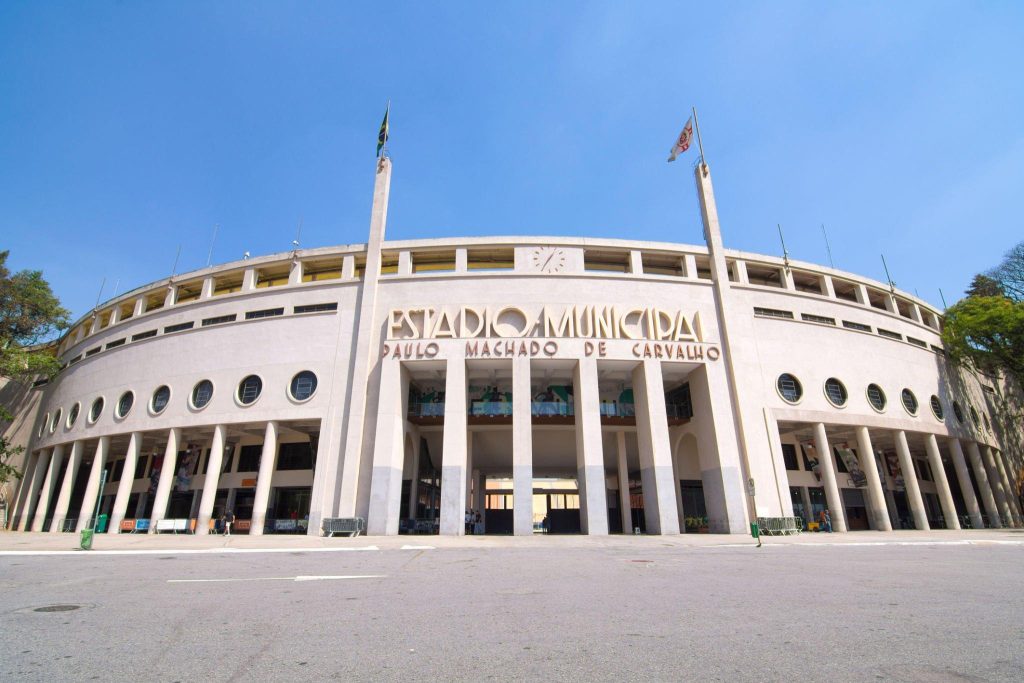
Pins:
x: 548, y: 259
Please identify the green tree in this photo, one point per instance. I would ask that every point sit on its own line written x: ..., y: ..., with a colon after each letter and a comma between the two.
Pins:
x: 988, y: 332
x: 29, y: 315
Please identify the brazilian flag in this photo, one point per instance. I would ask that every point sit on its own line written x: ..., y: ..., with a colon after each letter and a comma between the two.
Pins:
x: 382, y: 136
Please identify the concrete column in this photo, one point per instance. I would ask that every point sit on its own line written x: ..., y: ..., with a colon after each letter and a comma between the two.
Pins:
x: 660, y: 511
x: 876, y: 499
x: 828, y: 479
x: 92, y: 487
x: 296, y: 272
x: 470, y: 472
x: 64, y: 499
x: 987, y: 497
x: 414, y: 486
x: 124, y: 486
x: 941, y: 483
x: 168, y: 470
x: 480, y: 488
x: 38, y: 474
x: 805, y: 498
x: 216, y: 463
x: 1008, y: 489
x: 676, y: 469
x: 140, y: 505
x: 888, y: 484
x: 522, y: 448
x: 625, y: 507
x: 590, y: 449
x: 453, y: 453
x: 963, y: 477
x: 21, y: 499
x: 993, y: 476
x: 388, y: 451
x: 910, y: 481
x: 49, y: 484
x: 207, y: 289
x: 264, y: 480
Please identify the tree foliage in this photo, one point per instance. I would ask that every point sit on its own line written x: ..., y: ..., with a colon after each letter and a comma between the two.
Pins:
x: 8, y: 452
x: 29, y: 314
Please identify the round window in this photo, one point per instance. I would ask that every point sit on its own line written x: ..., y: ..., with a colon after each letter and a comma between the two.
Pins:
x: 958, y: 412
x: 161, y: 397
x: 789, y: 387
x: 835, y: 392
x: 937, y: 408
x: 909, y: 401
x: 73, y: 415
x: 96, y: 410
x: 56, y: 420
x: 876, y: 397
x: 303, y: 385
x: 974, y: 415
x: 125, y: 403
x: 988, y: 426
x: 249, y: 389
x: 202, y: 393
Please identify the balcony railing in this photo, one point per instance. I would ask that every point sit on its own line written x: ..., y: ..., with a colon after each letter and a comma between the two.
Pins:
x: 542, y: 409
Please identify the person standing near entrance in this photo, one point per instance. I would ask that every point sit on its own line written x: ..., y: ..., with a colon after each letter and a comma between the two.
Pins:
x: 826, y: 520
x: 228, y: 519
x: 469, y: 522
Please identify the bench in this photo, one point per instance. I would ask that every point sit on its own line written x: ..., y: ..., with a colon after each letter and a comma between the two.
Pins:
x: 352, y: 526
x: 173, y: 525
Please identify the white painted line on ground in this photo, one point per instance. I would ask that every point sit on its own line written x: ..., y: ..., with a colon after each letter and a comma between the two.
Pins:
x: 417, y: 547
x: 280, y: 578
x: 182, y: 551
x: 866, y: 544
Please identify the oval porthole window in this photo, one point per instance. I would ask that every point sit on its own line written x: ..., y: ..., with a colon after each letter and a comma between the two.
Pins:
x: 96, y: 410
x: 125, y: 403
x: 73, y: 414
x: 56, y: 420
x: 835, y: 392
x: 988, y: 425
x: 937, y: 408
x: 249, y: 389
x: 909, y: 401
x: 789, y: 387
x: 161, y: 397
x: 876, y: 397
x: 303, y: 385
x: 958, y: 412
x: 202, y: 393
x: 974, y: 415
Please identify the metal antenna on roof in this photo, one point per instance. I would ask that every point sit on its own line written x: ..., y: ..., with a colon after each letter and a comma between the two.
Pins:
x: 828, y: 248
x: 942, y: 296
x: 100, y: 293
x: 892, y: 285
x: 117, y: 285
x: 298, y: 234
x: 209, y: 257
x: 174, y: 269
x: 785, y: 254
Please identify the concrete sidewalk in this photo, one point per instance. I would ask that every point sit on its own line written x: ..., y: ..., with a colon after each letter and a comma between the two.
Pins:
x: 20, y: 542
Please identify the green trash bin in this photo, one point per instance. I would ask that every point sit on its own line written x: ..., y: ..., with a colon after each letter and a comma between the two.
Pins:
x: 101, y: 524
x: 87, y: 539
x: 754, y: 530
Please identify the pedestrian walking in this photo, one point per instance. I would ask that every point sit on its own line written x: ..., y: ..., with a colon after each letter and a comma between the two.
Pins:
x: 228, y: 519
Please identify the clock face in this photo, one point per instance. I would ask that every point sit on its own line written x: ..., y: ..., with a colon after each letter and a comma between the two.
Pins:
x: 548, y: 259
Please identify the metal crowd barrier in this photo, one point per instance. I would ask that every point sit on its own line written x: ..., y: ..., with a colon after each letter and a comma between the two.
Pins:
x: 780, y: 526
x: 353, y: 526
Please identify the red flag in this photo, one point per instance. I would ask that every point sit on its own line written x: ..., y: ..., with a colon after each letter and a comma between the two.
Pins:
x: 683, y: 143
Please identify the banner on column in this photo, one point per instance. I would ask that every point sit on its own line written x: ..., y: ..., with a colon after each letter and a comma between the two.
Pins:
x: 852, y: 467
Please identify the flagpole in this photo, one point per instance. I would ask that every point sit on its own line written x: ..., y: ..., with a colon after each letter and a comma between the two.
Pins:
x: 700, y: 145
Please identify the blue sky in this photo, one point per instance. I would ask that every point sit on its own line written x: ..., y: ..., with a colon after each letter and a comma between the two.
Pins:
x: 127, y: 129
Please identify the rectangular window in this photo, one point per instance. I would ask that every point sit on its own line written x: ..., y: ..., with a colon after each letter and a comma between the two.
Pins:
x: 188, y: 292
x: 140, y: 467
x: 939, y: 350
x: 820, y: 319
x: 808, y: 282
x: 219, y: 320
x: 765, y: 276
x: 877, y: 299
x: 275, y: 276
x: 490, y: 259
x: 143, y: 335
x: 295, y: 456
x: 116, y: 343
x: 856, y: 326
x: 74, y: 360
x: 772, y: 313
x: 265, y: 313
x: 118, y: 469
x: 789, y: 456
x: 606, y: 261
x: 315, y: 271
x: 889, y: 334
x: 433, y: 261
x: 316, y: 308
x: 662, y: 264
x: 179, y: 327
x: 917, y: 342
x: 93, y: 351
x: 249, y: 458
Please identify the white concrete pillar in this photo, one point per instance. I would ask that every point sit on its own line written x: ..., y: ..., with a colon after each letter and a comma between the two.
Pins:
x: 21, y: 499
x: 625, y: 506
x: 910, y: 482
x: 480, y: 489
x: 828, y: 479
x: 213, y: 468
x: 963, y: 477
x: 412, y: 505
x: 92, y: 487
x: 140, y: 505
x: 139, y: 307
x: 876, y: 499
x: 941, y: 482
x: 805, y: 498
x: 49, y: 484
x: 296, y: 272
x: 64, y: 499
x: 987, y: 497
x: 453, y: 453
x: 1008, y: 489
x: 676, y: 469
x: 264, y: 480
x: 888, y: 484
x: 656, y: 471
x: 249, y: 280
x: 38, y: 474
x: 994, y: 480
x: 206, y: 291
x: 522, y: 448
x: 470, y: 472
x: 124, y: 486
x: 168, y: 471
x: 590, y: 449
x: 388, y: 451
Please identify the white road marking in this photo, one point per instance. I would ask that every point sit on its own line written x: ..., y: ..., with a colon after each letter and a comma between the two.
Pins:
x: 417, y: 547
x: 281, y: 578
x: 184, y: 551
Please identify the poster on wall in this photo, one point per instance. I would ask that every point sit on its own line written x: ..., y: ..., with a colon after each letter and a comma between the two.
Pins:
x: 184, y: 474
x: 852, y: 466
x: 812, y: 457
x: 892, y: 463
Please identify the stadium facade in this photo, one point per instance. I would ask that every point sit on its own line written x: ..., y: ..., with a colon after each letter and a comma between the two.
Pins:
x: 550, y: 384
